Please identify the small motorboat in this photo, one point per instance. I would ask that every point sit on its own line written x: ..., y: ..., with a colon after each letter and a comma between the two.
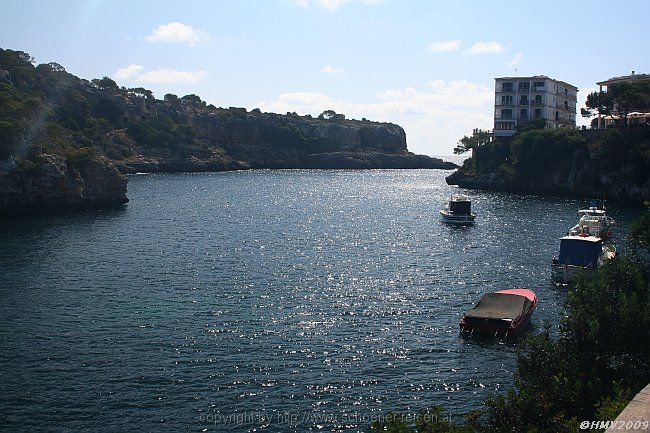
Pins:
x: 501, y: 313
x: 459, y: 211
x: 580, y: 254
x: 594, y: 221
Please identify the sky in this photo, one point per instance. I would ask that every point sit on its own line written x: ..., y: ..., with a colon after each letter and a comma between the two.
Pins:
x: 428, y: 66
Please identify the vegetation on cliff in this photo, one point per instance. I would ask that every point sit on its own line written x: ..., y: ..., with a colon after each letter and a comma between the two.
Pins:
x: 53, y: 124
x: 46, y: 108
x: 621, y: 98
x: 590, y: 163
x: 589, y: 371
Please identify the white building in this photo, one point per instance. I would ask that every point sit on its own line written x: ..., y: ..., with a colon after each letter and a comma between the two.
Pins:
x: 639, y: 116
x: 520, y: 99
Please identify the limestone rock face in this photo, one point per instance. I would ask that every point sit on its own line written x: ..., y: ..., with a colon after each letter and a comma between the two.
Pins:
x: 66, y: 141
x: 234, y: 139
x: 52, y: 184
x: 576, y: 172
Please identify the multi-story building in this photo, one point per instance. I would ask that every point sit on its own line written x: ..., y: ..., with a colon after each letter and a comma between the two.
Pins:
x: 520, y: 99
x: 640, y: 117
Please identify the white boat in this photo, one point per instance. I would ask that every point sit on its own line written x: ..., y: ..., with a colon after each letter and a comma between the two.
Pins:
x: 593, y: 221
x: 459, y: 211
x: 580, y: 255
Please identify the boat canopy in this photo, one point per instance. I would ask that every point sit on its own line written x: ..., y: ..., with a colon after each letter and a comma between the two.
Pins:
x: 504, y: 306
x: 460, y: 205
x: 580, y: 251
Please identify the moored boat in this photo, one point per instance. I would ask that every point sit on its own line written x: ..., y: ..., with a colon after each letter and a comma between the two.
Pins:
x: 580, y: 254
x: 501, y: 313
x: 459, y: 211
x: 594, y: 221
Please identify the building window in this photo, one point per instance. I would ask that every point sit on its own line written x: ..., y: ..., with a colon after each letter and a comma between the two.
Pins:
x: 523, y: 113
x: 524, y: 86
x: 507, y: 87
x: 523, y: 100
x: 538, y: 85
x: 566, y: 105
x: 538, y: 99
x: 506, y: 100
x: 506, y: 113
x: 538, y: 113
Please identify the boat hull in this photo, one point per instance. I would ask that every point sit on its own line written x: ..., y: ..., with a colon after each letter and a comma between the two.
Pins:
x: 493, y: 330
x: 563, y: 273
x: 452, y: 218
x: 498, y: 328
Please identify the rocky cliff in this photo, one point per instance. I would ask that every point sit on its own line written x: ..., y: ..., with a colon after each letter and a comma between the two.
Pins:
x: 227, y: 139
x: 589, y: 164
x: 65, y: 142
x: 54, y: 184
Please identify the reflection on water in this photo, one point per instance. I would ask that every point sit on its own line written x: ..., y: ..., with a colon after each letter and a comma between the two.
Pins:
x: 285, y: 299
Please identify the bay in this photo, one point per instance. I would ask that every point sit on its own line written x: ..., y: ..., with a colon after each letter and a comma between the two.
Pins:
x: 277, y: 300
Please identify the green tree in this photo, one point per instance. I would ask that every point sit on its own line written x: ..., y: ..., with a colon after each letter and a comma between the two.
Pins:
x: 193, y: 100
x: 640, y: 230
x: 628, y: 97
x: 143, y: 93
x: 106, y: 84
x: 597, y: 103
x: 535, y: 151
x: 73, y: 110
x: 171, y: 99
x: 478, y: 138
x: 621, y: 98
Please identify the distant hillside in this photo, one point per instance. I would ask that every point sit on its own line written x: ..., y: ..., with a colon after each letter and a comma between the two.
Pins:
x: 614, y: 163
x: 66, y: 142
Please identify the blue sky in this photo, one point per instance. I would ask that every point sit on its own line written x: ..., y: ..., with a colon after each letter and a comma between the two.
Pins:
x: 426, y: 65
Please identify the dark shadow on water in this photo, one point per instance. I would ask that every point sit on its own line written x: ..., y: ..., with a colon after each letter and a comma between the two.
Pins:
x: 484, y: 340
x: 39, y: 221
x: 458, y: 227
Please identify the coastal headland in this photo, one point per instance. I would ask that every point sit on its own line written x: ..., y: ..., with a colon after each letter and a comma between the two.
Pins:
x: 66, y: 142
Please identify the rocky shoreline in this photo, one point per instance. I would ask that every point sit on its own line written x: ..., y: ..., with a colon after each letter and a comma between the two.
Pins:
x: 56, y: 185
x: 66, y: 142
x: 586, y: 164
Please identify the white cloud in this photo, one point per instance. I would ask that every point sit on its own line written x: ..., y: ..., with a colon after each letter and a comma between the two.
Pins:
x: 486, y: 48
x: 516, y: 61
x: 168, y: 75
x: 128, y: 73
x: 434, y: 118
x: 438, y: 47
x: 178, y: 33
x: 329, y: 69
x: 137, y: 73
x: 333, y: 5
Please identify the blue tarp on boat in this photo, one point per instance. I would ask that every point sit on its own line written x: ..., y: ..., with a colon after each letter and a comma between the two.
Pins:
x: 580, y: 251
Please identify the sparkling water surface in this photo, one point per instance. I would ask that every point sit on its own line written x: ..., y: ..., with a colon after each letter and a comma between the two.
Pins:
x: 266, y: 301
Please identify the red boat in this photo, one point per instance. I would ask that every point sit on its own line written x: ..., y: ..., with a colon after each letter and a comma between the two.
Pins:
x: 501, y: 313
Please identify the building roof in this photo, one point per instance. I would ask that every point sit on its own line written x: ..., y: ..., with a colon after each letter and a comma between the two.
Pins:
x: 533, y: 77
x: 632, y: 77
